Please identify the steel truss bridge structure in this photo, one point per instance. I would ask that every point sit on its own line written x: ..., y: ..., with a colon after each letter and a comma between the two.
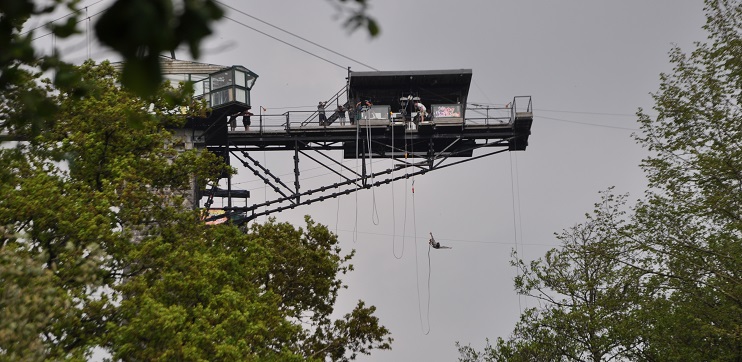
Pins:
x: 388, y: 129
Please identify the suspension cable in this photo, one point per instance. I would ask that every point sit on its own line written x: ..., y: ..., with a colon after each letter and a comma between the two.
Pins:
x: 294, y: 35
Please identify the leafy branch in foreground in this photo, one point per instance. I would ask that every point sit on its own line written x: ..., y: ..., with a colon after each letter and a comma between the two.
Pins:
x: 100, y: 248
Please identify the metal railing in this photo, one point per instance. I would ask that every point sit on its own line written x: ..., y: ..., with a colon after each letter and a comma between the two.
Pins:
x: 273, y: 123
x: 521, y: 104
x: 295, y: 120
x: 488, y: 116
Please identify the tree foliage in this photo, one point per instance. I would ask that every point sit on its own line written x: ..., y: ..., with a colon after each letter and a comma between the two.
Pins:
x: 99, y: 248
x: 681, y: 246
x: 588, y: 302
x: 691, y: 222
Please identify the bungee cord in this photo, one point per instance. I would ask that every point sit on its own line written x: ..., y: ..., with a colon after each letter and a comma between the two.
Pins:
x: 394, y: 213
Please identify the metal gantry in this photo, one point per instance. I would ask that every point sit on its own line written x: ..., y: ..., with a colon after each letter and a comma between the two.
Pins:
x: 416, y: 145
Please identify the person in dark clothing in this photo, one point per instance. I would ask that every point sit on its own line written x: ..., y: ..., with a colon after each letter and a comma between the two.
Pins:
x: 435, y: 244
x: 246, y: 118
x: 321, y: 112
x: 351, y: 113
x: 341, y: 114
x: 362, y: 107
x: 233, y: 122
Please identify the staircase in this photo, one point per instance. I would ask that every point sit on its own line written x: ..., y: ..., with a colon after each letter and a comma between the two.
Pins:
x: 335, y: 114
x: 335, y: 99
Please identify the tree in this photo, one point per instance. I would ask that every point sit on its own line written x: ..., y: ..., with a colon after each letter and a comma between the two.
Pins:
x: 99, y: 249
x: 72, y: 199
x: 266, y: 295
x: 587, y: 302
x: 691, y: 222
x: 683, y: 242
x: 304, y: 271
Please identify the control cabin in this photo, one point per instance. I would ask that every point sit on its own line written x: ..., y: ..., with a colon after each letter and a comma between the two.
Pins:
x: 442, y: 92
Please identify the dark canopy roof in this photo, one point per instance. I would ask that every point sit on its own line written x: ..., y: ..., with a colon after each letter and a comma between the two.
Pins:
x: 432, y: 86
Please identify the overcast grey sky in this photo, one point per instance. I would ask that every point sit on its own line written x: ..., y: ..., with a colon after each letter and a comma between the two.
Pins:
x: 588, y: 65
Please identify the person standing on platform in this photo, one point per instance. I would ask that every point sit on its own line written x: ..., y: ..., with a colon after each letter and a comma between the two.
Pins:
x: 341, y: 114
x: 358, y: 111
x: 362, y: 107
x: 421, y: 111
x: 233, y: 121
x: 246, y: 118
x: 321, y: 112
x: 351, y: 113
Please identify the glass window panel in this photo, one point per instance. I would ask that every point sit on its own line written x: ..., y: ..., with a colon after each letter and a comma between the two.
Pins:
x: 198, y: 88
x: 250, y: 81
x: 241, y: 95
x: 175, y: 78
x: 220, y: 97
x: 222, y: 79
x: 239, y: 78
x: 379, y: 112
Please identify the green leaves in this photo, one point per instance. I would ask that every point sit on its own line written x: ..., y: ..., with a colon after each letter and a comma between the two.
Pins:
x: 196, y: 299
x: 53, y: 265
x: 357, y: 16
x: 193, y: 24
x: 65, y: 29
x: 303, y: 270
x: 589, y: 298
x: 690, y: 222
x: 98, y: 247
x: 98, y: 235
x: 141, y: 30
x: 666, y: 283
x: 70, y: 225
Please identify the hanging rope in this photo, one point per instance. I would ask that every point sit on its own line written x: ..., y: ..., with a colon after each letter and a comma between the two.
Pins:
x: 515, y: 227
x: 417, y: 272
x: 520, y: 219
x: 406, y: 178
x: 430, y: 271
x: 412, y: 151
x: 355, y: 227
x: 337, y: 213
x: 394, y: 210
x: 374, y: 210
x: 417, y: 268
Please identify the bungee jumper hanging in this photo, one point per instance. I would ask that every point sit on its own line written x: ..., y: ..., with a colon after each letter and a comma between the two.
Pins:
x: 435, y: 244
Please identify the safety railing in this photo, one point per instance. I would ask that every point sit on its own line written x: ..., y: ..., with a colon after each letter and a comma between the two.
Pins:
x: 483, y: 115
x: 275, y: 123
x: 521, y: 105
